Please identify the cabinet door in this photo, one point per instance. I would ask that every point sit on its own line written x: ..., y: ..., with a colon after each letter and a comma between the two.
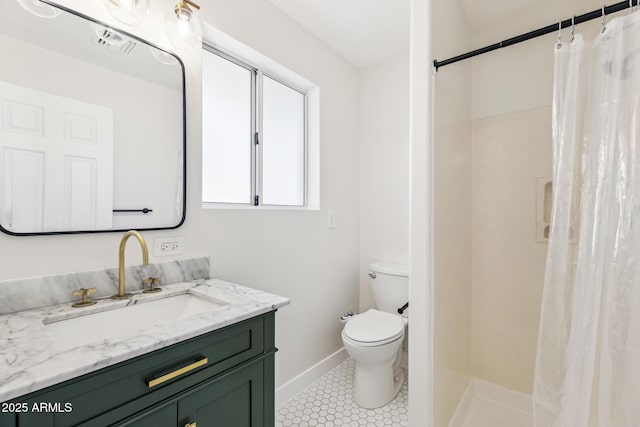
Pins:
x: 7, y: 419
x: 233, y: 400
x: 160, y: 416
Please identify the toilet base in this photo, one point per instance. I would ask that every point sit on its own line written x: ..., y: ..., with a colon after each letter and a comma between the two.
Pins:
x: 377, y: 384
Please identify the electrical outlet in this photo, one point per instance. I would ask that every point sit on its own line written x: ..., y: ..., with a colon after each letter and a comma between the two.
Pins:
x: 165, y: 246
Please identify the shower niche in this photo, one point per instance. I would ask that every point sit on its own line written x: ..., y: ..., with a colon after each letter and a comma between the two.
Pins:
x: 544, y: 198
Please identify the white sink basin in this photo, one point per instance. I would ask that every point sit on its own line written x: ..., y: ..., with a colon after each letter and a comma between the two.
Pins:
x: 95, y: 327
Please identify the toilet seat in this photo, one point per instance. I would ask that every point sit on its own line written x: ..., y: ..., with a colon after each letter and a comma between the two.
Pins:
x: 374, y: 328
x: 372, y: 344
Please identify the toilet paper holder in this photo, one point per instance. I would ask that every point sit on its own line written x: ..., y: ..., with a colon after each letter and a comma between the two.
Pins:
x: 403, y: 308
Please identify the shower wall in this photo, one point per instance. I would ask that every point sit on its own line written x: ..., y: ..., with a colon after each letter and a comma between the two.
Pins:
x: 492, y: 142
x: 452, y: 212
x: 512, y: 147
x: 511, y: 125
x: 509, y: 152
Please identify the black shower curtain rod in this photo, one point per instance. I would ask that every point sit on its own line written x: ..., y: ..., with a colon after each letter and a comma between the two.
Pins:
x: 539, y: 32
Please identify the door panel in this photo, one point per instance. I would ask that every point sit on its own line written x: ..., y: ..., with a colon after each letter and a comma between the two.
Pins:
x: 75, y: 142
x: 80, y: 193
x: 23, y: 119
x: 23, y: 192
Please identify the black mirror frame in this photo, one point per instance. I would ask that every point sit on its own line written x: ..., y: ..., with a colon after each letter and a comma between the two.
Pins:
x: 184, y: 136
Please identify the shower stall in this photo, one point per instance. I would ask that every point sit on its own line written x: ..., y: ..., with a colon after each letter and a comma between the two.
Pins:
x: 536, y: 168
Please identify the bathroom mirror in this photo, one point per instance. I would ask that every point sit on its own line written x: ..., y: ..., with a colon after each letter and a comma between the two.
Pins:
x: 92, y: 133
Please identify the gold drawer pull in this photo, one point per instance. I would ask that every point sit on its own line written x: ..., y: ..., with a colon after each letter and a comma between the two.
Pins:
x: 152, y: 382
x: 190, y: 425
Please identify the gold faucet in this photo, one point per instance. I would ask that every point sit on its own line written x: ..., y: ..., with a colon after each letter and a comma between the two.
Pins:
x: 145, y: 261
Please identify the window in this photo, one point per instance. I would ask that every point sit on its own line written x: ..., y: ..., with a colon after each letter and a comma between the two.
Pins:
x: 254, y: 149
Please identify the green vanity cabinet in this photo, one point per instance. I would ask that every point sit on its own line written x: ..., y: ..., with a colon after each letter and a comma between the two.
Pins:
x: 162, y: 416
x: 8, y: 419
x: 237, y: 398
x: 223, y: 378
x: 234, y: 401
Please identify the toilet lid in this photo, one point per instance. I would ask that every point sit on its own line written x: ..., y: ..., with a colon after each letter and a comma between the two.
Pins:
x: 374, y: 326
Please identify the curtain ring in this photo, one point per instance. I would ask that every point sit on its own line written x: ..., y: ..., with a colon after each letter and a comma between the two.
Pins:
x: 573, y: 28
x: 604, y: 20
x: 559, y: 43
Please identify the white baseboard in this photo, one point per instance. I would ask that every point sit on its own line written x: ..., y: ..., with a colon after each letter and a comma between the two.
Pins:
x: 298, y: 383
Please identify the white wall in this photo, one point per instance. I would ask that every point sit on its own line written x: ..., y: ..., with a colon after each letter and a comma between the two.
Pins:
x: 384, y: 168
x: 452, y: 212
x: 291, y: 253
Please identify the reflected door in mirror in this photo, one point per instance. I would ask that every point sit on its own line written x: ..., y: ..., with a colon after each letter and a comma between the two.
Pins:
x: 57, y: 162
x: 92, y: 134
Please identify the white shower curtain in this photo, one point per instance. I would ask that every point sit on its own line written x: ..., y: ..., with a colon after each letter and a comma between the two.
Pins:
x: 588, y: 360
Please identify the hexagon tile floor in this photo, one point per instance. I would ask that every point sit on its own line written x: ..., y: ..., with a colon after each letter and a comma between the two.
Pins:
x: 328, y: 402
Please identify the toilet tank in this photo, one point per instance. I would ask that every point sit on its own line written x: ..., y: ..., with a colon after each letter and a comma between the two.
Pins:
x: 390, y: 285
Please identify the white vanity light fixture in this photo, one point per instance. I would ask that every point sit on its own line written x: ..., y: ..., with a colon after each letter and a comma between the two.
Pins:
x: 130, y: 12
x: 183, y: 26
x: 40, y: 9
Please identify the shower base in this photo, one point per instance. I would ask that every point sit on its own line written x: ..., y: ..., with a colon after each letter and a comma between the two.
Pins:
x: 484, y: 404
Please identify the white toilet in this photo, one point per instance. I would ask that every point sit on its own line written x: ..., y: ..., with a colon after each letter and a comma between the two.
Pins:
x: 374, y: 338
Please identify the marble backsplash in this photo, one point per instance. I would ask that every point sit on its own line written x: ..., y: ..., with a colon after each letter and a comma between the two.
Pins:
x: 34, y: 292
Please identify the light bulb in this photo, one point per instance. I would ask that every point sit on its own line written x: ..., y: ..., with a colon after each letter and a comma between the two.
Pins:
x: 183, y: 13
x: 130, y: 12
x: 39, y: 9
x: 183, y: 27
x: 127, y: 4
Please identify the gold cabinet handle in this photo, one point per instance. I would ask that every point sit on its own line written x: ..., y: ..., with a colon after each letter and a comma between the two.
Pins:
x: 190, y: 425
x: 154, y: 381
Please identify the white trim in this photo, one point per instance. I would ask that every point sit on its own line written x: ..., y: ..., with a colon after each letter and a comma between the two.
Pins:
x: 227, y: 44
x: 257, y: 148
x: 244, y: 206
x: 313, y: 149
x: 421, y: 376
x: 300, y: 382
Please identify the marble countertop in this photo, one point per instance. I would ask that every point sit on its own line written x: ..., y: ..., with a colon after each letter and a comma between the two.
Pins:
x: 30, y: 360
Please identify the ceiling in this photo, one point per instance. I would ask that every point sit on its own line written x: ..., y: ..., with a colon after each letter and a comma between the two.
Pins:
x: 364, y: 32
x: 482, y: 13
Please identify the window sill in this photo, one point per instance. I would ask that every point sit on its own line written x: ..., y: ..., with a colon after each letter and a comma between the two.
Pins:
x: 232, y: 206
